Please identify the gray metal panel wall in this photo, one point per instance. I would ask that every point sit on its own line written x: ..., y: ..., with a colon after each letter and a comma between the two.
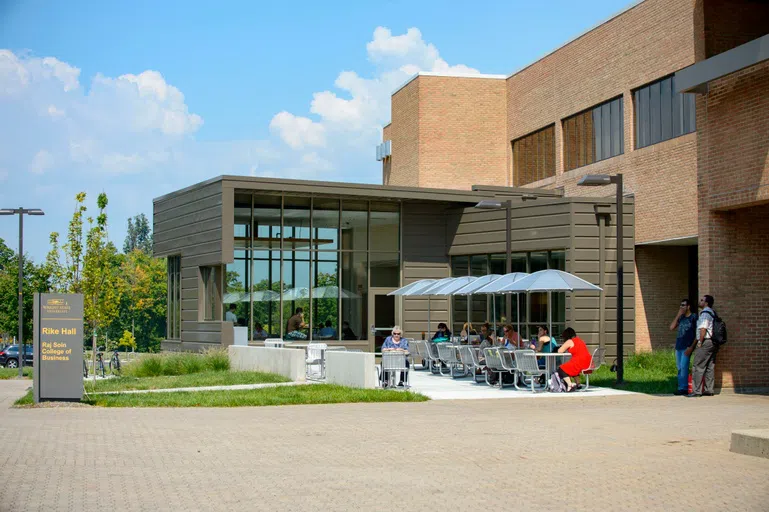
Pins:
x: 587, y: 261
x: 190, y: 224
x: 424, y: 257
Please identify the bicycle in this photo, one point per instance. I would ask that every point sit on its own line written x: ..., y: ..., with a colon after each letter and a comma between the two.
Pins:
x: 100, y: 365
x: 114, y: 363
x: 85, y: 369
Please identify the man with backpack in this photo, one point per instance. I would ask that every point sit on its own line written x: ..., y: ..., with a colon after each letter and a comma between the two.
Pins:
x: 711, y: 334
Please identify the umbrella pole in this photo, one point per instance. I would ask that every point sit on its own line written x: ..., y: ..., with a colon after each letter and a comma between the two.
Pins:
x: 518, y: 313
x: 428, y: 316
x: 494, y: 312
x: 550, y: 311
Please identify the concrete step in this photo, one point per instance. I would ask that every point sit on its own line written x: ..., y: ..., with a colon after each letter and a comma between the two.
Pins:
x: 751, y: 442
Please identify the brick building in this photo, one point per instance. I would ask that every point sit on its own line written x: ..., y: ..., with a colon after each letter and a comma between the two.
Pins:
x: 671, y: 94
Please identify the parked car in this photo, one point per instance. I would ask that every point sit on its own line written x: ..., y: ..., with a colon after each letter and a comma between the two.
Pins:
x: 9, y: 356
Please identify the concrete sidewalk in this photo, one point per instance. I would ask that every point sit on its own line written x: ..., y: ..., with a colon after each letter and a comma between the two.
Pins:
x: 443, y: 387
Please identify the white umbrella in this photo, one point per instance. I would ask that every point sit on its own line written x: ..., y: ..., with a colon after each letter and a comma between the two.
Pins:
x: 498, y: 286
x: 332, y: 292
x: 233, y: 297
x: 301, y: 292
x: 549, y: 281
x: 263, y: 296
x: 413, y: 287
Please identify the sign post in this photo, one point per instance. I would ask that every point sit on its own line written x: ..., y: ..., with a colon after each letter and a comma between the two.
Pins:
x: 58, y: 347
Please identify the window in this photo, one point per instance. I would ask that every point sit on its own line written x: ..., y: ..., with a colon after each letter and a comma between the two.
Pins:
x: 211, y: 280
x: 174, y: 313
x: 660, y: 114
x: 534, y: 157
x: 593, y: 135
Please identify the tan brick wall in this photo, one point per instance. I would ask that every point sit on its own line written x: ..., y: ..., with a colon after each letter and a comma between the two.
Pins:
x: 662, y: 277
x: 404, y: 133
x: 733, y: 185
x: 650, y: 41
x: 461, y: 132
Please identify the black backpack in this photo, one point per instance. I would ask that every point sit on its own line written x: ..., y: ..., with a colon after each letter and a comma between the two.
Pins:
x: 719, y: 329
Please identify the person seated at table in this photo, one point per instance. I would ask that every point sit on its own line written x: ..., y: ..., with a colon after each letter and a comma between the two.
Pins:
x: 545, y: 343
x: 327, y: 332
x: 395, y: 343
x: 467, y: 331
x: 442, y: 334
x: 580, y: 358
x: 511, y: 340
x: 259, y: 332
x: 347, y: 332
x: 487, y: 337
x: 295, y: 325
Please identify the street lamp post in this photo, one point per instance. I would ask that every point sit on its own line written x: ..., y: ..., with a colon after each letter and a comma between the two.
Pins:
x: 597, y: 180
x: 21, y: 212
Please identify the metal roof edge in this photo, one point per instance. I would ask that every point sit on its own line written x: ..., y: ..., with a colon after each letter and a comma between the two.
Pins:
x: 194, y: 186
x: 446, y: 75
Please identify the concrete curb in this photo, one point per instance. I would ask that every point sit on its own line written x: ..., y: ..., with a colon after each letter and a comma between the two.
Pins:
x: 751, y: 442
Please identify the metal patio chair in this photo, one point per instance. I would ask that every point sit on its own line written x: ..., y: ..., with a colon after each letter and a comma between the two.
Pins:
x: 527, y: 367
x: 595, y: 362
x: 433, y: 358
x: 448, y: 354
x: 468, y: 357
x: 418, y: 349
x: 274, y: 343
x: 316, y: 358
x: 393, y: 363
x: 507, y: 361
x: 494, y: 364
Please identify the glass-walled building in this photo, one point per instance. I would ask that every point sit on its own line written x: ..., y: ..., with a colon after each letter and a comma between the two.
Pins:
x: 303, y: 265
x: 315, y: 261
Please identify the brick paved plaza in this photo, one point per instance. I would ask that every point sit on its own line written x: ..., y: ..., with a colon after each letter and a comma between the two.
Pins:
x: 621, y: 453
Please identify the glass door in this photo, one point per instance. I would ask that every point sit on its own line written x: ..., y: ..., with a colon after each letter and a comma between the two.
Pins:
x: 383, y: 317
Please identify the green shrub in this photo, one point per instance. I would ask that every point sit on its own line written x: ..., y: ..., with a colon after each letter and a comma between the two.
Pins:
x: 149, y: 366
x: 217, y: 359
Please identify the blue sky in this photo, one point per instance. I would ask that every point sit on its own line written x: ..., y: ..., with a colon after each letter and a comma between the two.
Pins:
x: 141, y: 98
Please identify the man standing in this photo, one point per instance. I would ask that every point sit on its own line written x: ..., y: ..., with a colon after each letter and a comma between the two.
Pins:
x: 705, y: 359
x: 686, y: 323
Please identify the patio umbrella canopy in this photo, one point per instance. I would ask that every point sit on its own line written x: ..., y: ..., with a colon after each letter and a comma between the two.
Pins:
x: 233, y: 297
x: 413, y: 287
x: 263, y: 296
x: 301, y: 292
x: 331, y: 292
x: 551, y: 280
x: 496, y: 286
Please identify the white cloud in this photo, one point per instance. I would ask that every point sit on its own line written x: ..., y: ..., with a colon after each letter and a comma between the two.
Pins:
x: 55, y: 112
x: 42, y: 161
x: 298, y: 132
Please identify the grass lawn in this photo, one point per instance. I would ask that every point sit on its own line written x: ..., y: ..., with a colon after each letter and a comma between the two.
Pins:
x: 209, y: 378
x: 288, y: 395
x: 12, y: 373
x: 645, y: 372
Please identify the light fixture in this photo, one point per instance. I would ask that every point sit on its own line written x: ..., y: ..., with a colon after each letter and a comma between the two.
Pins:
x: 489, y: 204
x: 595, y: 180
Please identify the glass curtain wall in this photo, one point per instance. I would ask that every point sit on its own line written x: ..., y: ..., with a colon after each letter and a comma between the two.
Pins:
x: 306, y: 264
x: 533, y: 310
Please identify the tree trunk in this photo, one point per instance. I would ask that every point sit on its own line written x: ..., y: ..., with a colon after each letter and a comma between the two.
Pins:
x: 93, y: 355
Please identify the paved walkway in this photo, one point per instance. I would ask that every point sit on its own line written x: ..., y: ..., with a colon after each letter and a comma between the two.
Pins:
x: 443, y: 387
x: 630, y: 452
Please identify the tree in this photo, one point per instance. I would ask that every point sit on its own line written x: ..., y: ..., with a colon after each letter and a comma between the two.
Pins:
x: 143, y: 290
x: 139, y: 235
x: 35, y: 280
x: 65, y: 277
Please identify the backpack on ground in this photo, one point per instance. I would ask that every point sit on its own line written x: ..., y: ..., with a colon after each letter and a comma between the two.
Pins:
x: 719, y: 329
x: 557, y: 385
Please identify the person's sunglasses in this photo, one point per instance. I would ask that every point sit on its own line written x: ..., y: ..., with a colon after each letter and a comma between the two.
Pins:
x: 684, y: 304
x: 396, y: 334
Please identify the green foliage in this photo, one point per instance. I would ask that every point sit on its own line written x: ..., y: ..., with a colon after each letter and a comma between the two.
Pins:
x: 645, y: 372
x: 12, y: 373
x: 179, y: 363
x: 138, y: 236
x: 35, y: 280
x: 203, y: 379
x: 283, y: 395
x: 127, y: 340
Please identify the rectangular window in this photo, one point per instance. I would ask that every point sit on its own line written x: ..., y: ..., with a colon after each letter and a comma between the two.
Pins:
x: 534, y: 156
x: 593, y: 135
x: 210, y: 278
x: 174, y: 312
x: 660, y: 114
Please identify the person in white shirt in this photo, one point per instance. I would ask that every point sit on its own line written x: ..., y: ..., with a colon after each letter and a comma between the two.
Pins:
x: 230, y: 315
x: 703, y: 372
